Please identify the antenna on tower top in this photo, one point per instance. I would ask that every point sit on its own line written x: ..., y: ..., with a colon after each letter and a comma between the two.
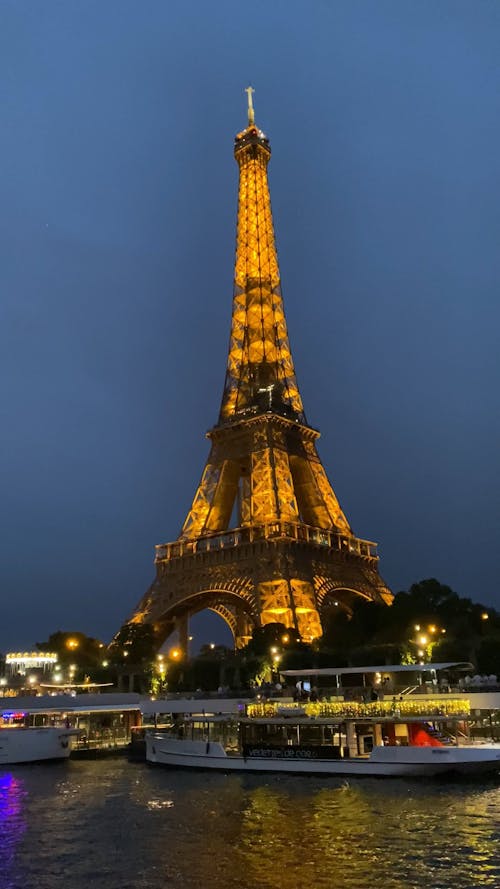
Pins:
x: 251, y: 114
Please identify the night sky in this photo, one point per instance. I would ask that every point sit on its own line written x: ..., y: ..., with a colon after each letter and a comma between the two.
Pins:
x: 117, y: 214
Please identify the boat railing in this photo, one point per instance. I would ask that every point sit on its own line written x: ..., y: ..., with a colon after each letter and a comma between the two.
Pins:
x: 387, y: 692
x: 101, y: 740
x: 408, y: 690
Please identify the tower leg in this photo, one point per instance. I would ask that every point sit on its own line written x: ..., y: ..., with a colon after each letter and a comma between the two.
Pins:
x: 182, y: 627
x: 291, y: 602
x: 306, y: 613
x: 243, y: 633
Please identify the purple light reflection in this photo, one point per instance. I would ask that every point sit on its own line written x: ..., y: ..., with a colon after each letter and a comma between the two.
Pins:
x: 12, y: 823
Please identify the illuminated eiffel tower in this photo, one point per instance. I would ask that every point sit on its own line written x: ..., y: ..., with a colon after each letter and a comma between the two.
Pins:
x: 265, y: 539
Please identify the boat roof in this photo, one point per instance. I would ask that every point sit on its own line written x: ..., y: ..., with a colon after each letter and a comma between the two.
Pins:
x: 385, y: 668
x: 112, y: 703
x: 84, y: 703
x: 204, y: 706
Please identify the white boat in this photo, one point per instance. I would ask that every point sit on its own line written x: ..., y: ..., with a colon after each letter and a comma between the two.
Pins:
x: 19, y: 744
x: 413, y: 739
x: 389, y: 762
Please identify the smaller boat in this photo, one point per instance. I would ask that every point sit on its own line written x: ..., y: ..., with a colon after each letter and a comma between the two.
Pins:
x: 21, y: 743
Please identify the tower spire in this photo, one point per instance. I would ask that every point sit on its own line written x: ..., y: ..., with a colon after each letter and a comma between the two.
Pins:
x: 251, y: 112
x: 260, y: 375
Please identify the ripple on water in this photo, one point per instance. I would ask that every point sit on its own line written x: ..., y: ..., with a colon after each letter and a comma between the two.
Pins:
x: 160, y: 803
x: 117, y: 825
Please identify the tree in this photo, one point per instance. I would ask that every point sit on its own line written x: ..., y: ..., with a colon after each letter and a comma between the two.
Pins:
x: 134, y: 644
x: 430, y: 617
x: 264, y: 638
x: 488, y: 656
x: 74, y: 648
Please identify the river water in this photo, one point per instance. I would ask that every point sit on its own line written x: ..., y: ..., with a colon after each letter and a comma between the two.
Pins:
x: 111, y: 824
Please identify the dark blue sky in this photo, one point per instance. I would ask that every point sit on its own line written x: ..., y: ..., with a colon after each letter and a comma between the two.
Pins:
x: 118, y: 204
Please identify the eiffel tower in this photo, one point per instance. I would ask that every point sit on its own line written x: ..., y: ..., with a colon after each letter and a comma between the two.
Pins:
x: 265, y: 539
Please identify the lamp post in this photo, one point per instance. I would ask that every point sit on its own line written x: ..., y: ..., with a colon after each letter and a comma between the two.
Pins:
x: 424, y: 640
x: 275, y: 662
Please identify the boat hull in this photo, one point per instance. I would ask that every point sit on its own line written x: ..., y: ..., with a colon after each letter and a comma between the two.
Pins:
x: 386, y: 762
x: 20, y: 745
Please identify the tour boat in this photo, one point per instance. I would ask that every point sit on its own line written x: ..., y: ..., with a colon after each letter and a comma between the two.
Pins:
x: 19, y: 744
x: 407, y: 738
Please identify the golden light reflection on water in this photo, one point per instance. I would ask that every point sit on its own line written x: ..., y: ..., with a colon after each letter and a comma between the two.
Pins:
x: 114, y: 825
x: 351, y: 836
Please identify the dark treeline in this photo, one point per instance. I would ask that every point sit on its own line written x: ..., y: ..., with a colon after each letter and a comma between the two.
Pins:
x: 428, y: 622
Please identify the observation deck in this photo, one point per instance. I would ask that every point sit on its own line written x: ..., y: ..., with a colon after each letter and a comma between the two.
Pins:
x: 270, y: 531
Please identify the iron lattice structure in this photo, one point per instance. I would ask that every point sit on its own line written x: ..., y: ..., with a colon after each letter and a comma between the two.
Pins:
x: 291, y: 554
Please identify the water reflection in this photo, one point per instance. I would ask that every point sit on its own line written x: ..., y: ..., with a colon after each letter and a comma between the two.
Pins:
x: 12, y: 822
x: 382, y: 835
x: 186, y: 830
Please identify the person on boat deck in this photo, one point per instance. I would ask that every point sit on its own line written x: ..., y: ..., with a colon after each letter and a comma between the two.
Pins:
x: 314, y: 694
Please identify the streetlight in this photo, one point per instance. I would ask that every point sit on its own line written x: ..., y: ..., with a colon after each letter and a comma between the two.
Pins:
x: 276, y: 658
x: 424, y: 643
